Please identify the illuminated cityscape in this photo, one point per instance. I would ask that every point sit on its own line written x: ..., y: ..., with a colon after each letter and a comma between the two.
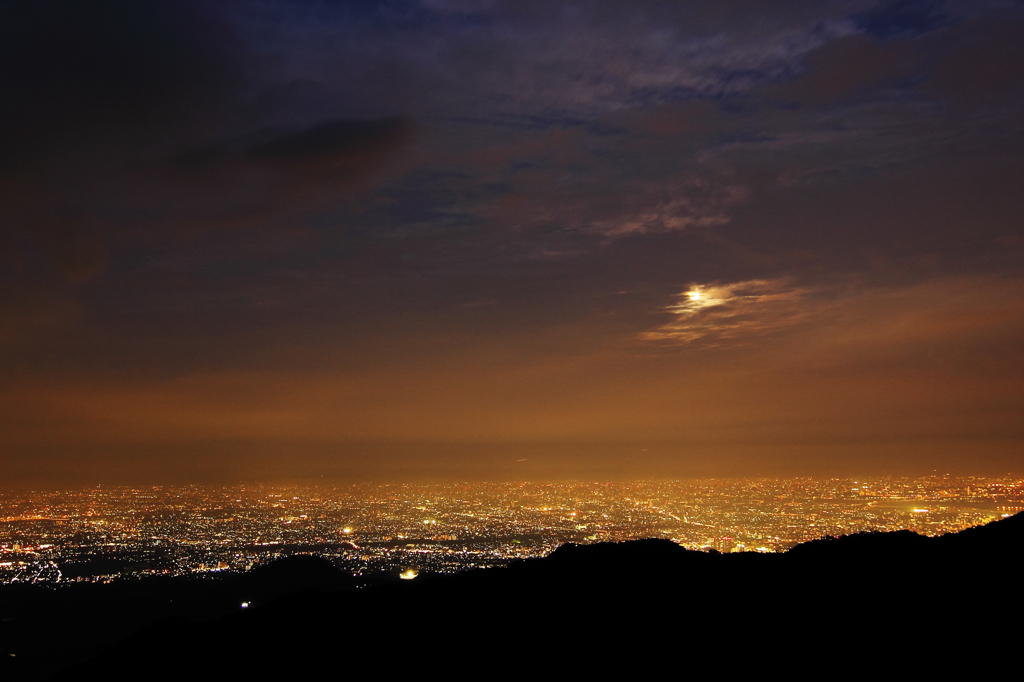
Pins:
x: 105, y: 534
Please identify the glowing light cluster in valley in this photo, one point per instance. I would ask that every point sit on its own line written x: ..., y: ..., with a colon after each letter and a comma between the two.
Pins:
x: 102, y: 534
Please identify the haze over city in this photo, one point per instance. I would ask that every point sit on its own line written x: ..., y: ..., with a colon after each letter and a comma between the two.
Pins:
x: 448, y: 240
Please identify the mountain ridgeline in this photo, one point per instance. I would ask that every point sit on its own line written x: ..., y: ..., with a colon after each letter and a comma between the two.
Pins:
x: 873, y: 602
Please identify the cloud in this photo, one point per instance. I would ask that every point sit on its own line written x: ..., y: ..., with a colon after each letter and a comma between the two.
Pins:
x: 289, y: 166
x: 735, y: 312
x: 543, y: 62
x: 697, y: 203
x: 331, y: 139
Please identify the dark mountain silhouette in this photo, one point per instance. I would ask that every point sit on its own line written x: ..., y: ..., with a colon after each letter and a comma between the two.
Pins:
x: 869, y: 603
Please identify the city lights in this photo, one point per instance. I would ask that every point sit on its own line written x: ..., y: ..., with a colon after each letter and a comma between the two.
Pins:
x: 103, y: 534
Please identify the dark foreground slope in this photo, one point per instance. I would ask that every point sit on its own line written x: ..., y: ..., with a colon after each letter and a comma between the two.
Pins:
x: 895, y: 601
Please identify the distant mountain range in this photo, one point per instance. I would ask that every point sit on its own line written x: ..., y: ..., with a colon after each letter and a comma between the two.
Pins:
x: 865, y: 604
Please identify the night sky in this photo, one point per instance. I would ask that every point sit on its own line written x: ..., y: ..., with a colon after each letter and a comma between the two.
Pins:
x: 407, y: 239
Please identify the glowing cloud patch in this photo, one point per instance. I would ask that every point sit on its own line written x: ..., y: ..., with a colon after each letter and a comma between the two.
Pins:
x: 720, y: 312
